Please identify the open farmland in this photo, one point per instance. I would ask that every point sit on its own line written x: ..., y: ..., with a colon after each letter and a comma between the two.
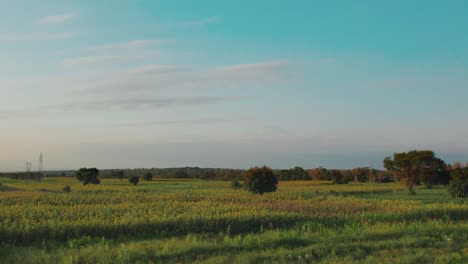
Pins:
x: 181, y: 221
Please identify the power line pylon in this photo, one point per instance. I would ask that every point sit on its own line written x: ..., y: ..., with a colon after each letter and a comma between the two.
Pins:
x: 41, y: 163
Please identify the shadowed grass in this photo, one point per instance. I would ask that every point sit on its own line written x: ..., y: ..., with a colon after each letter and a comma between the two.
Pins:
x: 197, y: 221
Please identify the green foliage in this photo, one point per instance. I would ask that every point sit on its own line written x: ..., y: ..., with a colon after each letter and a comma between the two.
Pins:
x: 148, y: 176
x: 415, y: 167
x: 295, y: 174
x: 260, y: 180
x: 88, y: 176
x: 118, y: 174
x: 36, y: 176
x: 236, y: 185
x: 67, y: 188
x: 134, y: 180
x: 181, y: 173
x: 338, y: 177
x: 459, y: 184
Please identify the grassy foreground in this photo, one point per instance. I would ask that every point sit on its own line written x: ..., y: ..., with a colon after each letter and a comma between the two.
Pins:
x: 178, y: 221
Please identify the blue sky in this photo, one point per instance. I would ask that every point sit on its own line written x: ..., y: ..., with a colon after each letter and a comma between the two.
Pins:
x: 118, y: 84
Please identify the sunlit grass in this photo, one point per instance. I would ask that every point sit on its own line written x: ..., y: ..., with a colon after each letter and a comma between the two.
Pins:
x: 206, y: 221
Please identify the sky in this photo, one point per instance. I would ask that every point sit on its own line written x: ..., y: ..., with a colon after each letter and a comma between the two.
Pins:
x: 234, y: 84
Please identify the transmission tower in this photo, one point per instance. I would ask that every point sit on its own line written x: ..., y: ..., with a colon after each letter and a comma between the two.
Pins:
x: 28, y: 166
x: 41, y: 163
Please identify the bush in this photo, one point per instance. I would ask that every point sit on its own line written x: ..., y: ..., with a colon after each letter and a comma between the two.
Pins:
x: 148, y: 177
x: 88, y: 176
x: 458, y: 186
x: 134, y: 180
x: 338, y: 177
x: 260, y: 180
x: 236, y: 185
x: 67, y: 188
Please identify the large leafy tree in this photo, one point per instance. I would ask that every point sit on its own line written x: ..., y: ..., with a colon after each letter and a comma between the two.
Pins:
x: 260, y: 180
x: 88, y: 176
x: 459, y: 183
x: 415, y: 167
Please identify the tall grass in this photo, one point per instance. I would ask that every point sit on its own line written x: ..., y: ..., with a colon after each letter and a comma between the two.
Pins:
x: 199, y: 221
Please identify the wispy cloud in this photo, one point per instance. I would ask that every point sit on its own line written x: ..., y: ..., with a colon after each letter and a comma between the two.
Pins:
x: 136, y: 103
x: 133, y: 44
x: 154, y: 69
x: 255, y: 67
x: 130, y: 104
x: 56, y: 19
x: 111, y: 53
x: 91, y: 60
x: 205, y: 121
x: 173, y: 77
x: 36, y: 36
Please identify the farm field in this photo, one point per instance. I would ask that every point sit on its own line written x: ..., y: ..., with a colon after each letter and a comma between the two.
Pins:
x: 196, y: 221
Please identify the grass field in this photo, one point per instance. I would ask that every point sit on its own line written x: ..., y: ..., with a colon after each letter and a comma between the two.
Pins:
x: 178, y: 221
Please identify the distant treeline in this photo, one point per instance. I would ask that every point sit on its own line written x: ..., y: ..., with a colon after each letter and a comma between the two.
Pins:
x: 176, y: 173
x: 361, y: 174
x: 297, y: 173
x: 37, y: 176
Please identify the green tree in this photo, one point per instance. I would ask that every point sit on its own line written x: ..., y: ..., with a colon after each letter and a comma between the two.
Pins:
x: 458, y: 186
x: 134, y: 180
x: 415, y: 167
x: 148, y: 176
x: 298, y: 173
x: 118, y: 174
x: 88, y: 176
x: 337, y: 176
x: 260, y: 180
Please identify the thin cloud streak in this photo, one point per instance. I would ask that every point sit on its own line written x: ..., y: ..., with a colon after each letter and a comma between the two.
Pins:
x: 264, y: 66
x: 56, y: 19
x: 150, y: 77
x: 137, y: 103
x: 91, y: 60
x: 154, y: 69
x: 132, y: 44
x: 208, y: 121
x: 36, y: 36
x: 133, y: 104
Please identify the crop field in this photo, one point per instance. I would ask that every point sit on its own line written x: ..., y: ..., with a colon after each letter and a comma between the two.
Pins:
x: 196, y: 221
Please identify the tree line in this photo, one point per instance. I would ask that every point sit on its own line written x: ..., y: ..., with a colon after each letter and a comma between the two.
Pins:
x: 412, y: 168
